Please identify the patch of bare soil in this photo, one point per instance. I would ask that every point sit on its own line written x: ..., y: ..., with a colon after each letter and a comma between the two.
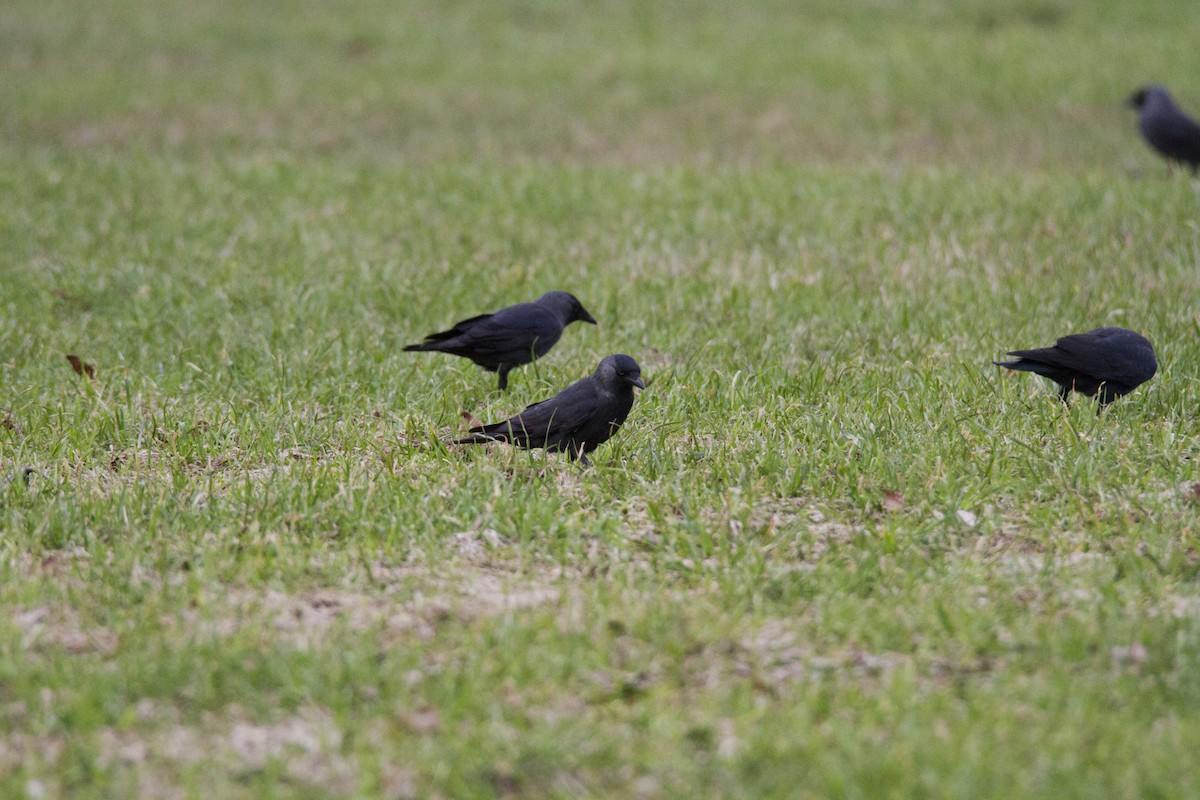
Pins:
x: 399, y: 602
x: 307, y: 744
x: 45, y: 627
x: 776, y: 657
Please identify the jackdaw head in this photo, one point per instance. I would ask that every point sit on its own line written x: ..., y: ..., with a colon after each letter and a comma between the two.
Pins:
x: 1152, y: 94
x: 567, y: 307
x: 618, y: 371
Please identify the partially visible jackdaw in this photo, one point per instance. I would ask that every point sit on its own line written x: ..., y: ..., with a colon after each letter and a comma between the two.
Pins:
x: 510, y: 337
x: 1105, y: 362
x: 1168, y: 130
x: 25, y: 474
x: 576, y: 420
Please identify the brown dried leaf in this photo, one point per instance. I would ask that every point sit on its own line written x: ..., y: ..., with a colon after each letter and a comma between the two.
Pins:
x: 80, y: 366
x: 72, y: 299
x: 893, y: 501
x: 472, y: 420
x: 9, y: 423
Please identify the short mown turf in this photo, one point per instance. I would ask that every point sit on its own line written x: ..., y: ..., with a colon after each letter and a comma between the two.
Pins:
x: 834, y: 552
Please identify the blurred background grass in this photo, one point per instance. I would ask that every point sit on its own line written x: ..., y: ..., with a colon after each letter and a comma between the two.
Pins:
x: 1013, y: 83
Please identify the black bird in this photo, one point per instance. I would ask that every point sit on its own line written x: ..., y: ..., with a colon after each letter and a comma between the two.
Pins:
x: 1108, y: 362
x: 1167, y: 129
x: 25, y: 473
x: 578, y: 419
x: 510, y: 337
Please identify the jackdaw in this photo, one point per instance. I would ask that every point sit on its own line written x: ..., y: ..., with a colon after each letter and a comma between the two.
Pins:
x: 25, y: 472
x: 510, y: 337
x: 1108, y: 362
x: 576, y: 420
x: 1167, y: 129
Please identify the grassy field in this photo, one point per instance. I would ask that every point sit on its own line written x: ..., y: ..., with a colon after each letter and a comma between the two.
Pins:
x: 834, y: 553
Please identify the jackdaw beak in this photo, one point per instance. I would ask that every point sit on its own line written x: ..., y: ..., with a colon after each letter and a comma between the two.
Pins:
x: 584, y: 316
x: 636, y: 380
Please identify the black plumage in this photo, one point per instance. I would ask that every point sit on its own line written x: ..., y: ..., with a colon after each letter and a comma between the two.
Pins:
x: 1105, y: 362
x: 576, y: 420
x: 1167, y: 129
x: 510, y: 337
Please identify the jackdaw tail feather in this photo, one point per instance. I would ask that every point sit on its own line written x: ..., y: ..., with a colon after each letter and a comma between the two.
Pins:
x: 1019, y: 364
x: 478, y: 438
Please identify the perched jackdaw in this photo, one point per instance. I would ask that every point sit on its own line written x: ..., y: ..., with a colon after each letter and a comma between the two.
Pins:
x: 578, y: 419
x: 1167, y: 129
x: 1109, y: 362
x: 510, y: 337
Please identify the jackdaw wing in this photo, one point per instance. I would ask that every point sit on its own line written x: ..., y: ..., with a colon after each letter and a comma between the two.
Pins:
x: 461, y: 328
x: 524, y: 332
x: 551, y: 422
x: 1096, y: 357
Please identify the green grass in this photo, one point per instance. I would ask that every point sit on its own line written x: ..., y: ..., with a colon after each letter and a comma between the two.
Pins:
x: 833, y: 553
